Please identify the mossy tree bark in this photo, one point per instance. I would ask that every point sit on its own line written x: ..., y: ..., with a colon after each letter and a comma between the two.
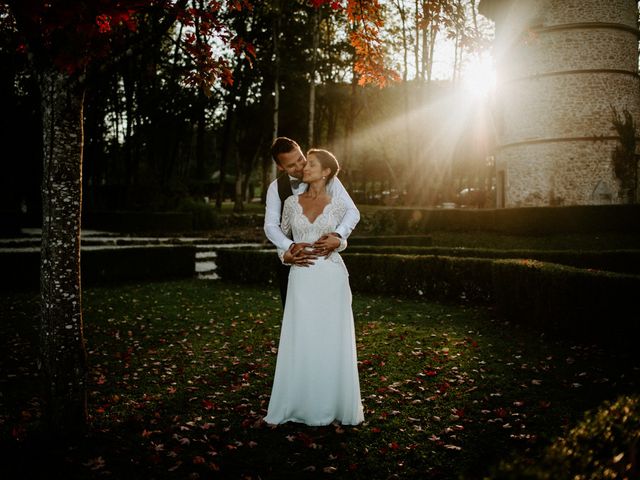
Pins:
x: 62, y: 351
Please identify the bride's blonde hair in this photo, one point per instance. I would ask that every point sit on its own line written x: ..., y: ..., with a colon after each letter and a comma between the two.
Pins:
x: 327, y: 160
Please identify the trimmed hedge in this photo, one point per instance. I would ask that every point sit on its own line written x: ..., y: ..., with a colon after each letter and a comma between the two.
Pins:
x: 138, y: 263
x: 21, y: 269
x: 390, y: 240
x: 426, y: 276
x: 191, y: 216
x: 553, y: 298
x: 441, y: 278
x: 10, y: 223
x: 247, y: 265
x: 138, y: 222
x: 576, y: 302
x: 518, y: 221
x: 204, y: 216
x: 621, y: 261
x: 604, y: 445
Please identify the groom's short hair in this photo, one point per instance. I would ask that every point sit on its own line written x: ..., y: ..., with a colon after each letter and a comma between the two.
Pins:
x: 282, y: 145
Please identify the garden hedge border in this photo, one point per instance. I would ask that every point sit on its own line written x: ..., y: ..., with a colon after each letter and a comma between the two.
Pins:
x: 580, y: 303
x: 620, y: 261
x: 21, y: 269
x: 416, y: 241
x: 514, y: 221
x: 386, y: 221
x: 138, y: 222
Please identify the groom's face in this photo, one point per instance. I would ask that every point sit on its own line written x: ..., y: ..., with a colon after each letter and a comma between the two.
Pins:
x: 292, y: 162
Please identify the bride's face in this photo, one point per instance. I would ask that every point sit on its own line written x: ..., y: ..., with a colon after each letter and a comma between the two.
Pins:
x: 313, y: 170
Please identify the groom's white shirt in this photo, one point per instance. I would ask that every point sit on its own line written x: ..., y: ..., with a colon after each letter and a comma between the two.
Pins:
x: 273, y: 208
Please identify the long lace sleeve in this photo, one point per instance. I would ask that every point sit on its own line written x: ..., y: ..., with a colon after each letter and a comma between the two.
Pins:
x: 285, y: 223
x: 339, y: 212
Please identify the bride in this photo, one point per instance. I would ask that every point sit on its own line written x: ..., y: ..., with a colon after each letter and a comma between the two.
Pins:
x: 316, y: 379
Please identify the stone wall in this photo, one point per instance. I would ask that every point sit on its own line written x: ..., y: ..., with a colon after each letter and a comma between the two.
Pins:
x: 558, y: 12
x: 562, y: 65
x: 565, y: 106
x: 563, y: 173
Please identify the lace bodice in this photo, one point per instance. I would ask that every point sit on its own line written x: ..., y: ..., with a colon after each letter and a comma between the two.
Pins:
x: 295, y: 224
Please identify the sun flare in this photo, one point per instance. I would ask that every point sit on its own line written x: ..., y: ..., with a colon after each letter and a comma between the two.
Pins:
x: 479, y: 75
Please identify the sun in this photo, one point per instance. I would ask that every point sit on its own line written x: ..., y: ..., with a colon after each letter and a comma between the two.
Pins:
x: 479, y: 75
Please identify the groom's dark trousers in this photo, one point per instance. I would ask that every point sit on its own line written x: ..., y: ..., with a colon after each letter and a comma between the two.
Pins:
x: 283, y: 280
x: 284, y: 191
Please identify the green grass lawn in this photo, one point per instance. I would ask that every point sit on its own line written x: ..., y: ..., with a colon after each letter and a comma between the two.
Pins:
x: 180, y: 376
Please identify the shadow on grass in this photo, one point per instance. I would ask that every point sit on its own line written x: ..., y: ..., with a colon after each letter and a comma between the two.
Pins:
x: 180, y: 376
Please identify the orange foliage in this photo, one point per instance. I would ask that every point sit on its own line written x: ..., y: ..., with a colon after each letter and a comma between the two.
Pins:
x: 366, y: 20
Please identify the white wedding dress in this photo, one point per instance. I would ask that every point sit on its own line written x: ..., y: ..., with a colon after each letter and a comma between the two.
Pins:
x: 316, y: 380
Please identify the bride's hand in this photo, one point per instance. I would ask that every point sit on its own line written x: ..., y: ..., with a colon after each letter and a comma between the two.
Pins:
x: 326, y: 244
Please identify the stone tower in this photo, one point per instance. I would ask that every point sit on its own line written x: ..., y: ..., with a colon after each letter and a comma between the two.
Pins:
x: 561, y: 67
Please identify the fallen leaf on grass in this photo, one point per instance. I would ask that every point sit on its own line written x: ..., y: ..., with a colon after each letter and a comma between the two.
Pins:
x: 95, y: 463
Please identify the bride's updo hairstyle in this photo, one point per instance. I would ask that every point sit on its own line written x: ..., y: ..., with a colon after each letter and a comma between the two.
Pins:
x: 327, y: 160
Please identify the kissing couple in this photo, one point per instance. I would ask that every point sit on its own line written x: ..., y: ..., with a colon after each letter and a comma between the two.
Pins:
x: 308, y: 217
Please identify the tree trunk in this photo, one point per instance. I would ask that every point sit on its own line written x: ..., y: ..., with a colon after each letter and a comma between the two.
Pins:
x: 425, y: 48
x: 312, y: 86
x: 249, y: 166
x: 201, y: 127
x: 131, y: 161
x: 405, y: 46
x: 416, y: 46
x: 433, y: 34
x: 62, y: 353
x: 269, y: 171
x: 351, y: 114
x: 238, y: 204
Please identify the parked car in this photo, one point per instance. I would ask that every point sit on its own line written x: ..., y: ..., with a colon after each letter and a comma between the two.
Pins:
x: 471, y: 197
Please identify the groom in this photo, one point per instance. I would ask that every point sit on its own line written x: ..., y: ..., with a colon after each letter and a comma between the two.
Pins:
x: 290, y: 162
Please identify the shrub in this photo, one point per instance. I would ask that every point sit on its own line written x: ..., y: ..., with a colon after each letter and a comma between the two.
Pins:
x: 21, y: 269
x: 442, y: 278
x: 204, y: 215
x: 380, y: 222
x: 389, y: 242
x: 604, y: 445
x: 422, y: 276
x: 514, y: 221
x: 621, y: 261
x: 138, y: 222
x: 576, y: 302
x: 149, y: 262
x: 247, y: 266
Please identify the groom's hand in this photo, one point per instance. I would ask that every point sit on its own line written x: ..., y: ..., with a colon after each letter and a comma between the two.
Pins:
x: 326, y: 244
x: 300, y: 254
